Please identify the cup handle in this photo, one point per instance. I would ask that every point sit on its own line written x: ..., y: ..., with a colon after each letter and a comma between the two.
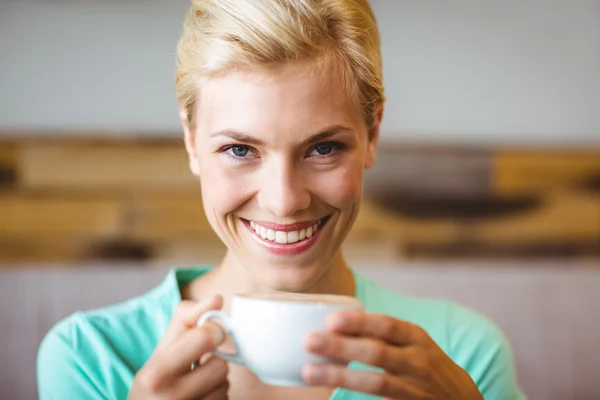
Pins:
x: 226, y: 322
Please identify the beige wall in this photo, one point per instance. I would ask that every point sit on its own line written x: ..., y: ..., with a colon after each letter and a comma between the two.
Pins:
x: 456, y: 70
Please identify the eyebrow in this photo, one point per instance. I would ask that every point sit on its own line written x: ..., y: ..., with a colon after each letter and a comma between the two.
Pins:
x: 326, y: 134
x: 238, y: 136
x: 323, y: 134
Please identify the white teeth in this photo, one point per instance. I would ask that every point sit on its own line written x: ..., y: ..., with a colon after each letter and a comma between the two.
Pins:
x: 285, y: 237
x: 281, y: 237
x: 292, y: 237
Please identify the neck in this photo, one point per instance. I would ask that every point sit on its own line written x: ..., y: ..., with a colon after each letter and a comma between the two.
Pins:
x: 232, y: 277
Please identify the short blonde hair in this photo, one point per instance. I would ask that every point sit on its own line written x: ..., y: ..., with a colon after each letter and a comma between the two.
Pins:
x: 220, y: 35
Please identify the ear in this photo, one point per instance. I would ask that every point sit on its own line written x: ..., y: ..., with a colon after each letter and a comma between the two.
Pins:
x: 190, y: 143
x: 374, y: 135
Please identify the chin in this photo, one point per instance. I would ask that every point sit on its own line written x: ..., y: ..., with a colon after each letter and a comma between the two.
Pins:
x: 289, y: 278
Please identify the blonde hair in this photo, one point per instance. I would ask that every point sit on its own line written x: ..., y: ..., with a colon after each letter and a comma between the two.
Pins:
x: 220, y: 35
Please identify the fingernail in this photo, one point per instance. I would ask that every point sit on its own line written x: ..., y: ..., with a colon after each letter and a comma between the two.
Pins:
x: 208, y: 300
x: 203, y: 302
x: 338, y: 322
x: 317, y: 341
x: 314, y: 373
x: 218, y: 332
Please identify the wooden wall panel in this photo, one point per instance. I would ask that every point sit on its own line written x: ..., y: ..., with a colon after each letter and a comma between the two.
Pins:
x: 43, y: 250
x: 8, y: 153
x: 51, y: 217
x: 105, y: 166
x: 159, y: 218
x: 562, y: 217
x: 517, y: 172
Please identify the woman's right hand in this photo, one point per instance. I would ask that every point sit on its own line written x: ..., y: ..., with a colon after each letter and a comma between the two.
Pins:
x: 168, y: 373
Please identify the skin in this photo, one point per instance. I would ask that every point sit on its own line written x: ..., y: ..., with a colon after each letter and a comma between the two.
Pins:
x: 165, y: 376
x: 281, y: 179
x: 414, y: 366
x: 285, y: 145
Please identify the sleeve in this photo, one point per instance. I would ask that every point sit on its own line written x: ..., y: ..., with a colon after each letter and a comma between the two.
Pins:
x: 63, y: 372
x: 480, y: 348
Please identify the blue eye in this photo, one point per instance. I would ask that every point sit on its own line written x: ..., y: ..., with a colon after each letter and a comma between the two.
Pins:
x: 239, y: 151
x: 324, y: 148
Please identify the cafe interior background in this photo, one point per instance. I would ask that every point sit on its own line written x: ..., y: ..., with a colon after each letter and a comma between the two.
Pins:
x: 486, y: 188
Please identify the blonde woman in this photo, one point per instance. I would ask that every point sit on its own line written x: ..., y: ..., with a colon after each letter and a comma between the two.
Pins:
x: 281, y: 104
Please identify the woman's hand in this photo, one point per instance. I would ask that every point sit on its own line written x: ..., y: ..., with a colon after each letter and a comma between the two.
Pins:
x: 168, y: 373
x: 414, y: 367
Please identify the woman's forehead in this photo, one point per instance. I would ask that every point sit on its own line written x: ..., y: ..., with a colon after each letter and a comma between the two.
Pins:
x: 274, y: 99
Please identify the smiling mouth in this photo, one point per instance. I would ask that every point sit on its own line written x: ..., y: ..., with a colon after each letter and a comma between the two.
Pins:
x: 283, y: 237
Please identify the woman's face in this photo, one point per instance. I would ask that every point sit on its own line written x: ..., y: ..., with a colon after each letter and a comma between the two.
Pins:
x: 280, y: 155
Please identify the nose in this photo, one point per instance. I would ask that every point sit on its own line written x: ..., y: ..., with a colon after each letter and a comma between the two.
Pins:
x: 282, y: 189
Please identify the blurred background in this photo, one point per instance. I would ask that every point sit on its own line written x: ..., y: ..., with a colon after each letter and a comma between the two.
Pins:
x: 490, y: 143
x: 490, y: 146
x: 489, y: 157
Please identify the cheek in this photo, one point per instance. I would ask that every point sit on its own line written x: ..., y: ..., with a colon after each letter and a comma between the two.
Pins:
x: 223, y: 189
x: 342, y: 187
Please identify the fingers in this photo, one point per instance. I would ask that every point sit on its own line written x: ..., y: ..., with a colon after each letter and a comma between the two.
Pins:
x: 190, y: 347
x: 368, y: 351
x: 187, y: 314
x: 361, y: 381
x: 219, y: 393
x: 168, y: 370
x: 386, y: 328
x: 209, y: 381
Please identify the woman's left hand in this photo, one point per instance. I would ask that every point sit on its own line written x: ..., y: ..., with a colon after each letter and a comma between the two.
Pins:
x: 414, y: 366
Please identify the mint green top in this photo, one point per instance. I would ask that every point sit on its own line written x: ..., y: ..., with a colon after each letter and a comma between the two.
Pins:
x: 95, y: 354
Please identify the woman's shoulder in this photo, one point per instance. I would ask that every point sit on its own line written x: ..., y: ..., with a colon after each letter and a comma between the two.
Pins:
x: 77, y: 355
x: 469, y: 337
x: 451, y: 324
x: 97, y: 350
x: 423, y: 311
x: 105, y: 322
x: 145, y: 313
x: 89, y: 334
x: 111, y: 320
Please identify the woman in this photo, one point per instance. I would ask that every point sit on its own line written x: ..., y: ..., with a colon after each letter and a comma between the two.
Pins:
x: 281, y: 104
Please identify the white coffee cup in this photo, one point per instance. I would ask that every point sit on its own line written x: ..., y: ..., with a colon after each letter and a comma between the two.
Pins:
x: 269, y: 331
